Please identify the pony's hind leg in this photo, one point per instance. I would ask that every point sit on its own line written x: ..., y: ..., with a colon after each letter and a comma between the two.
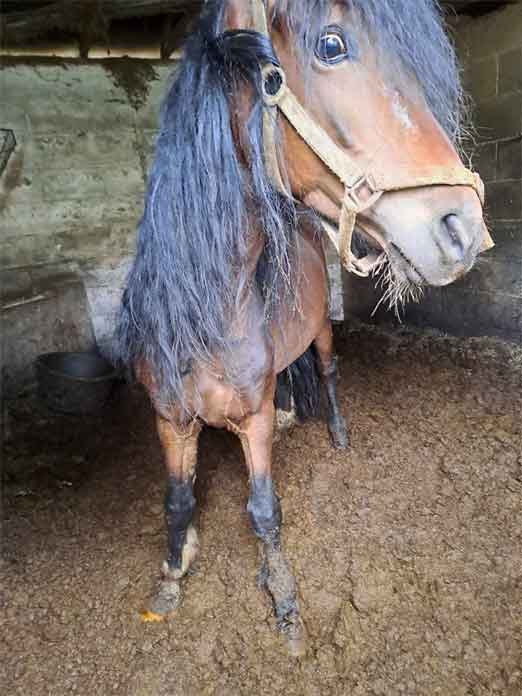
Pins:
x: 264, y: 509
x: 327, y: 363
x: 180, y: 448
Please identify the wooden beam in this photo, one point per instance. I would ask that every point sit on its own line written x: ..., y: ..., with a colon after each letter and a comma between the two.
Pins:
x: 23, y: 20
x: 67, y: 16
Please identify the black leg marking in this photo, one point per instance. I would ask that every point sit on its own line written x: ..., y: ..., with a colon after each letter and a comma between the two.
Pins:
x: 264, y: 509
x: 336, y: 423
x: 179, y: 508
x: 283, y: 395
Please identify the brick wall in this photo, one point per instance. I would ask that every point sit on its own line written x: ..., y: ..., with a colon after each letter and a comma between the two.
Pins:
x: 488, y: 301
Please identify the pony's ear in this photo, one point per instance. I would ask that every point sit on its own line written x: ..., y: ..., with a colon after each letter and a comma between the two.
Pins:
x: 239, y: 14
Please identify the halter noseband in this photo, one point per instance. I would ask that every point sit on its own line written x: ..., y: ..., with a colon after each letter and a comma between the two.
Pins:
x: 361, y: 189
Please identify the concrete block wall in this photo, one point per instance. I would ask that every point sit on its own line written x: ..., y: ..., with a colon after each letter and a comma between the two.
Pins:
x: 488, y: 301
x: 71, y: 194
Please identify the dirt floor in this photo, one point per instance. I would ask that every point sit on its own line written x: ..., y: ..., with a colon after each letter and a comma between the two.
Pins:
x: 407, y: 550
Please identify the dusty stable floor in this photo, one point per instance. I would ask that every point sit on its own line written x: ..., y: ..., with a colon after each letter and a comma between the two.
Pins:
x: 407, y: 550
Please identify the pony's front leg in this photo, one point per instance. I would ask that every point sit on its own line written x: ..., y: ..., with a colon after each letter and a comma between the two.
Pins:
x: 264, y: 509
x: 180, y: 445
x: 328, y: 370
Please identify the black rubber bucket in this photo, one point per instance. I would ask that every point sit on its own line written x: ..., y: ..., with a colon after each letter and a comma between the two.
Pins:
x: 76, y: 383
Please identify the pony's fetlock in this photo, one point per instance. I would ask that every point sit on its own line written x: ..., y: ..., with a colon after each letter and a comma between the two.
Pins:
x: 338, y: 432
x: 188, y: 555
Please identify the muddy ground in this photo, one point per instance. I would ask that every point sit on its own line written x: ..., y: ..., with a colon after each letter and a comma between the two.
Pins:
x: 407, y: 550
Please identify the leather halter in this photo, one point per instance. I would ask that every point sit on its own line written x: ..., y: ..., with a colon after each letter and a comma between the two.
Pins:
x: 362, y: 189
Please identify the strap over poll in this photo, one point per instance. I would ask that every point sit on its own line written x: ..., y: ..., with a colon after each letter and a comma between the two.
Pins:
x: 361, y: 189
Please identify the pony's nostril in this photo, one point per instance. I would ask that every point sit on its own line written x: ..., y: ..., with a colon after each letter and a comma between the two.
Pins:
x: 456, y: 240
x: 454, y: 228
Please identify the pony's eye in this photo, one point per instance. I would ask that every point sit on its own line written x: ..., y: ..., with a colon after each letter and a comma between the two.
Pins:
x: 332, y: 46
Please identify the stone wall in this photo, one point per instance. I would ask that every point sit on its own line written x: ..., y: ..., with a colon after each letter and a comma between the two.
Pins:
x: 488, y: 301
x: 71, y: 193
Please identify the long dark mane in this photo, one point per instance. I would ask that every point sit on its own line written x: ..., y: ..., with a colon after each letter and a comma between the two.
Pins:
x: 202, y: 198
x: 203, y: 195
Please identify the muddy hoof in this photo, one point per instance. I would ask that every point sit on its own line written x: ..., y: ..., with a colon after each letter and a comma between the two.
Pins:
x: 164, y: 602
x: 293, y: 630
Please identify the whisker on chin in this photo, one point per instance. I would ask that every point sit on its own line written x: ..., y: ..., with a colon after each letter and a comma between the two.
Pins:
x: 397, y: 291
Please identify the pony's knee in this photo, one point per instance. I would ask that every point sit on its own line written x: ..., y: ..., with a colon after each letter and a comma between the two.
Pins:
x: 264, y: 510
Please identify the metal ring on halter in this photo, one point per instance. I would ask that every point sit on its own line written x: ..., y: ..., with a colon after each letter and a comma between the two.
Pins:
x: 274, y: 84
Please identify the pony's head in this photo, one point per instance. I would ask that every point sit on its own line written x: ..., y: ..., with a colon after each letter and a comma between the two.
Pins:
x: 380, y: 79
x: 377, y: 81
